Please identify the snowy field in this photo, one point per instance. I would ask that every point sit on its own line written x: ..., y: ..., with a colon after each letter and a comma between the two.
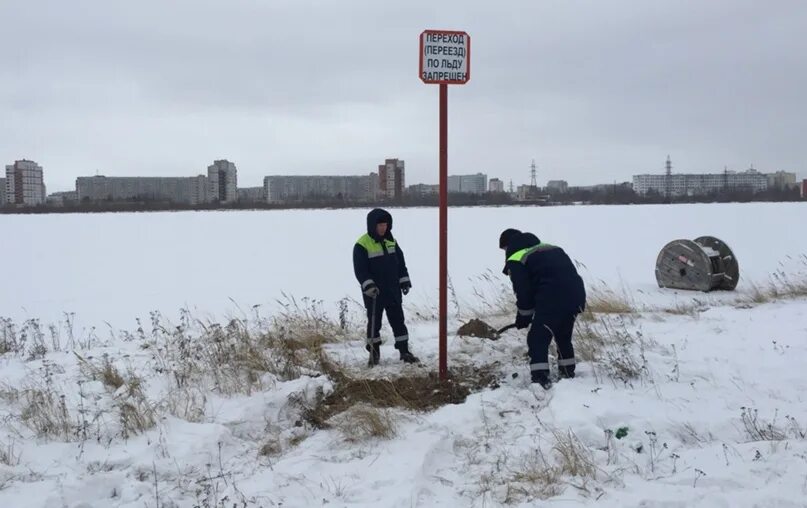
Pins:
x: 682, y: 399
x: 112, y: 268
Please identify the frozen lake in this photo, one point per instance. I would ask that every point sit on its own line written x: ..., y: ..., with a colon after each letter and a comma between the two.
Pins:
x: 111, y: 268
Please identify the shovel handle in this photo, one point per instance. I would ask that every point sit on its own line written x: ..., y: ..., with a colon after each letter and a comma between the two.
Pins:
x: 504, y: 329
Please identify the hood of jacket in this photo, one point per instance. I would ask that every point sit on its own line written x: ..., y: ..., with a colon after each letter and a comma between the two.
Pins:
x: 518, y: 242
x: 521, y: 241
x: 375, y: 217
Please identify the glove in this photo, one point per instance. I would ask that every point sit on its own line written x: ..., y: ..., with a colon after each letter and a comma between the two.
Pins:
x: 523, y: 320
x: 405, y: 287
x: 371, y: 290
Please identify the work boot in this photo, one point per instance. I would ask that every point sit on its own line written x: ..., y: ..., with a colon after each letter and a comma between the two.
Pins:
x: 566, y: 372
x: 375, y: 354
x: 542, y: 378
x: 406, y: 355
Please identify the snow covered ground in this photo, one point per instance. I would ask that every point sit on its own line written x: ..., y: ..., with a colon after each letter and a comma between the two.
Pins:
x: 685, y: 400
x: 112, y: 268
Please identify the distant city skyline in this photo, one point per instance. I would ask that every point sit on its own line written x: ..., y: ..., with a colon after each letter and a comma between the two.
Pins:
x: 593, y: 91
x: 54, y: 185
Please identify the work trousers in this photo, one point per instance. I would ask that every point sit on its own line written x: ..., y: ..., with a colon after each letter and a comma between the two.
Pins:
x: 545, y: 328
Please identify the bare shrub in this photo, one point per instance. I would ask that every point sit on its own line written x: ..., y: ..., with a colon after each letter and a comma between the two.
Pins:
x: 362, y: 422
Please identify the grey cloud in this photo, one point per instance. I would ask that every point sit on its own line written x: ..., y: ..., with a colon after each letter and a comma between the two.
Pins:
x: 595, y: 91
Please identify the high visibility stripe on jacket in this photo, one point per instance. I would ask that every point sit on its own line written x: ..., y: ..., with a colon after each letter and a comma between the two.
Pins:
x: 522, y: 255
x: 375, y: 248
x: 544, y: 278
x: 380, y: 262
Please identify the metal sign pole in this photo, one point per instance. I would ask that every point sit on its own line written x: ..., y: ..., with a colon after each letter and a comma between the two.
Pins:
x: 445, y: 59
x: 443, y: 231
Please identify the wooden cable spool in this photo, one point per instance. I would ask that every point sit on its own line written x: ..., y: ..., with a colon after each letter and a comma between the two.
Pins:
x: 703, y: 264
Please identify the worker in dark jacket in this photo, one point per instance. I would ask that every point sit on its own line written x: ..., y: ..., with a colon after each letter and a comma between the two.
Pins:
x: 549, y: 296
x: 380, y: 268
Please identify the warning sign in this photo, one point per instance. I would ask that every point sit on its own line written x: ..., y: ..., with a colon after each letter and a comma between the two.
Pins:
x: 445, y: 57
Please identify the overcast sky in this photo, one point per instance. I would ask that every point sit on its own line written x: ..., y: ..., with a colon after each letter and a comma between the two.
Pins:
x: 595, y: 91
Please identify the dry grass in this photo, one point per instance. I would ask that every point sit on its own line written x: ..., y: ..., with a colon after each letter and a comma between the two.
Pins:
x: 492, y: 295
x: 135, y: 413
x: 308, y: 318
x: 760, y: 429
x: 187, y: 403
x: 589, y: 342
x: 28, y: 338
x: 136, y: 417
x: 781, y: 286
x: 538, y: 477
x: 602, y: 300
x: 270, y: 448
x: 106, y: 372
x: 691, y: 309
x: 757, y: 294
x: 241, y: 356
x: 362, y: 422
x: 535, y: 479
x: 690, y: 436
x: 8, y: 337
x: 9, y: 455
x: 45, y: 412
x: 614, y: 346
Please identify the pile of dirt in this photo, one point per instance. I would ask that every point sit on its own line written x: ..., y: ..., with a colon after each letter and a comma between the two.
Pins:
x: 478, y: 328
x: 420, y: 393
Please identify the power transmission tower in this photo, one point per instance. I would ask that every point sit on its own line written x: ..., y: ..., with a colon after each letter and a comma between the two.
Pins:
x: 668, y: 179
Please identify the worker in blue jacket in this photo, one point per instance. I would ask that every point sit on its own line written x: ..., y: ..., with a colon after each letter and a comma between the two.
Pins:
x: 380, y: 268
x: 549, y: 296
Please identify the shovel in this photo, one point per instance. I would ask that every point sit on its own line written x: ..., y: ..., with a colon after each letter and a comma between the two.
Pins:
x: 500, y: 331
x: 478, y: 328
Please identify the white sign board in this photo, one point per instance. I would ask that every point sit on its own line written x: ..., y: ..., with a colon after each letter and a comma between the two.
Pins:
x: 445, y: 57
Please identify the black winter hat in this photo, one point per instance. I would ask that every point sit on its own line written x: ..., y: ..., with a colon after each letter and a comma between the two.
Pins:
x: 506, y: 236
